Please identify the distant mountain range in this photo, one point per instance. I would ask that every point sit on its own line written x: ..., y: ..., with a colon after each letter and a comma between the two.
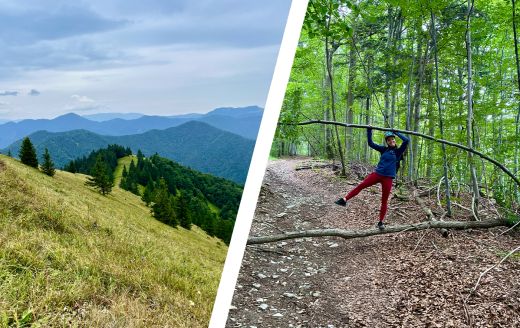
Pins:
x: 244, y: 121
x: 101, y: 117
x: 195, y: 144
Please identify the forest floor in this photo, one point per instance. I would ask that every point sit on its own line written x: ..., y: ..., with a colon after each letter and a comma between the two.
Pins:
x: 409, y: 279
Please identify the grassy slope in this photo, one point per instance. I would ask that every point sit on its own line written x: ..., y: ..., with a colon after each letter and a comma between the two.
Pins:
x: 75, y: 257
x: 125, y: 161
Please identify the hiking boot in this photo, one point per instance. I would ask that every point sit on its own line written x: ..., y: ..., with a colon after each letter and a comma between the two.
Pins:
x: 381, y: 225
x: 341, y: 202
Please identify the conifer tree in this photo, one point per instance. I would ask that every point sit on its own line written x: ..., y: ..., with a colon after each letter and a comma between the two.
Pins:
x: 148, y: 193
x: 163, y: 209
x: 183, y: 213
x: 124, y: 175
x: 9, y: 153
x: 28, y: 153
x: 100, y: 177
x: 48, y: 165
x: 140, y: 158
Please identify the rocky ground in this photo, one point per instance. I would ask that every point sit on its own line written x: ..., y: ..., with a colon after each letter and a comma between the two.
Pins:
x: 409, y: 279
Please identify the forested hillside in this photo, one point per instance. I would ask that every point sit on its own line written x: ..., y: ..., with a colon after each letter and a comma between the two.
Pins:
x: 176, y: 194
x: 444, y: 69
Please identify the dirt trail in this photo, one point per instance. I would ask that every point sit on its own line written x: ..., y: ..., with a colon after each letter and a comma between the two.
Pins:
x: 416, y: 279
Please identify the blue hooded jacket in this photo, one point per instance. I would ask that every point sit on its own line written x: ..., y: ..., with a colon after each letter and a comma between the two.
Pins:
x: 388, y: 161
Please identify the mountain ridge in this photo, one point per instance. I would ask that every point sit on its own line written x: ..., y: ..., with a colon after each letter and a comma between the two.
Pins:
x: 244, y: 121
x: 195, y: 144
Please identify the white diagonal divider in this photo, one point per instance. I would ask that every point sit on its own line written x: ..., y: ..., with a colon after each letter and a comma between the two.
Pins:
x: 258, y: 163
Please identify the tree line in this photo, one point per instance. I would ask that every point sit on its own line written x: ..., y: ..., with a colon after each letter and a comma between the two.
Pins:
x: 27, y: 155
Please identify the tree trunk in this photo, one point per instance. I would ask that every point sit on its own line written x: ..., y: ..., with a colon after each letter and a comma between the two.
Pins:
x: 329, y: 152
x: 439, y: 105
x: 417, y: 110
x: 517, y: 119
x: 469, y: 121
x: 349, y: 114
x: 328, y: 54
x: 367, y: 121
x: 409, y: 109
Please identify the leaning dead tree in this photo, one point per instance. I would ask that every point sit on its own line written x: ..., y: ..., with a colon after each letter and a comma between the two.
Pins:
x: 351, y: 234
x: 425, y: 136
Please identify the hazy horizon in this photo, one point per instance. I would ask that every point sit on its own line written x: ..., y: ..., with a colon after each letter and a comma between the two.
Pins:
x: 87, y: 114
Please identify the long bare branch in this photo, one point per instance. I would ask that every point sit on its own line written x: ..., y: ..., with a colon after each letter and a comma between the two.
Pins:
x: 425, y: 136
x: 350, y: 234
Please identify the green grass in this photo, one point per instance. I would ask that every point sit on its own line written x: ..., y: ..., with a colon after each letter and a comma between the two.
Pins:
x: 72, y: 257
x: 124, y: 161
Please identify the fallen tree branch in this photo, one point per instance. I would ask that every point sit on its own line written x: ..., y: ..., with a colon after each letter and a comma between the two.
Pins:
x: 350, y: 234
x: 489, y: 269
x: 425, y: 136
x: 431, y: 216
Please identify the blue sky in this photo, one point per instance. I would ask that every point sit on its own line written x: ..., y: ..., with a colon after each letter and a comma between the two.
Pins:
x: 154, y: 57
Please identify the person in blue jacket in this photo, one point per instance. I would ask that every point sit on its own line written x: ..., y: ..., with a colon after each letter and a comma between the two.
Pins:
x: 384, y: 173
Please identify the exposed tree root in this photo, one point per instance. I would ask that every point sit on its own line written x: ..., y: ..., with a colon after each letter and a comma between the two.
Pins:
x: 350, y: 234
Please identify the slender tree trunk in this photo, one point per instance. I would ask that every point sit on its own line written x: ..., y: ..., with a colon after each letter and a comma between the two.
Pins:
x: 387, y: 62
x: 326, y: 114
x: 431, y: 127
x: 517, y: 119
x: 439, y: 105
x: 328, y: 54
x: 469, y: 122
x: 367, y: 122
x: 350, y: 102
x: 417, y: 109
x: 409, y: 108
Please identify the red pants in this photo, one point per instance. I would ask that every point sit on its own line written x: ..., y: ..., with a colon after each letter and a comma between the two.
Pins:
x: 370, y: 180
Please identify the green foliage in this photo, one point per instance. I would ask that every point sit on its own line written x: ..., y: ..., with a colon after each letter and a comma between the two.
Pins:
x: 512, y: 218
x: 27, y: 153
x: 47, y: 165
x: 102, y: 178
x: 181, y: 196
x: 109, y: 154
x: 163, y: 206
x: 382, y: 60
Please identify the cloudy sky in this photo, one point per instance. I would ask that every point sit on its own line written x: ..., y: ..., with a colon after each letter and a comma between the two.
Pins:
x: 154, y: 57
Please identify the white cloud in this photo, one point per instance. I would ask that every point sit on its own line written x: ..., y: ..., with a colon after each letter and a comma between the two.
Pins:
x: 82, y: 99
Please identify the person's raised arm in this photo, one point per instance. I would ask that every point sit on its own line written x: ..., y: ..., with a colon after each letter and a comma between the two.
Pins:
x: 371, y: 143
x: 405, y: 140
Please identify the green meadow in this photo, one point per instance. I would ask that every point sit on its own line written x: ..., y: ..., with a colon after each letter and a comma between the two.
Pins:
x: 70, y: 257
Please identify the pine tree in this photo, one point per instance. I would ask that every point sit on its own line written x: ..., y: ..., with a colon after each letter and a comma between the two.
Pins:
x: 148, y: 192
x: 9, y: 153
x: 123, y: 184
x: 140, y: 158
x: 131, y: 179
x: 163, y: 209
x: 28, y: 153
x: 100, y: 177
x: 71, y: 167
x: 48, y: 165
x: 183, y: 213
